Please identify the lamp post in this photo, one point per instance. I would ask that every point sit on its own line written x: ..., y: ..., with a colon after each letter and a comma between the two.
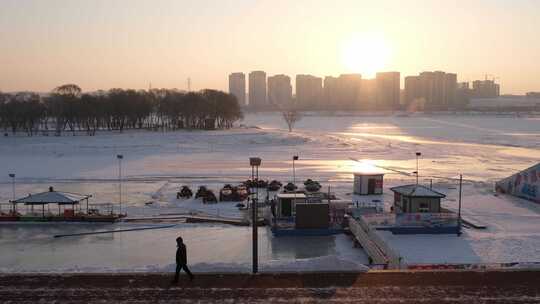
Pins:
x: 459, y: 206
x: 120, y: 157
x: 12, y: 175
x: 295, y: 157
x: 418, y: 154
x: 255, y: 162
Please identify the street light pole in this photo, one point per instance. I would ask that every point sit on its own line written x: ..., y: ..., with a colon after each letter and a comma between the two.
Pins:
x: 295, y: 157
x: 12, y: 175
x: 294, y: 169
x: 459, y: 207
x: 417, y: 155
x: 120, y: 157
x: 255, y: 162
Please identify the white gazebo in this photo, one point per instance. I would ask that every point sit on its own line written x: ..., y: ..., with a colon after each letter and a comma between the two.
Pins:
x: 62, y: 199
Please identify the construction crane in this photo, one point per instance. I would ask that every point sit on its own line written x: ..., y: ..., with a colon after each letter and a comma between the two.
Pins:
x: 493, y: 77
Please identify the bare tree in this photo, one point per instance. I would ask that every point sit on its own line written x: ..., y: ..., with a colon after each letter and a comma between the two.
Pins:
x: 291, y: 117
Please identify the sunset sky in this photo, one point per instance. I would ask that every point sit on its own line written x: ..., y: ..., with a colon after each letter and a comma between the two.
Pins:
x: 100, y: 44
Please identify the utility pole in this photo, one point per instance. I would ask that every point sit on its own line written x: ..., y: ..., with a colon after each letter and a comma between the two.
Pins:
x: 189, y: 84
x: 120, y: 157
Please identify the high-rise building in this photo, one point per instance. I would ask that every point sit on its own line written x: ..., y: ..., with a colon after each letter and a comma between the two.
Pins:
x: 463, y: 86
x: 388, y: 90
x: 237, y: 87
x: 463, y: 95
x: 308, y: 92
x: 368, y: 94
x: 330, y: 93
x: 450, y: 90
x: 439, y: 84
x: 413, y: 92
x: 279, y: 90
x: 427, y: 88
x: 348, y: 91
x: 485, y: 89
x: 431, y: 90
x: 257, y: 90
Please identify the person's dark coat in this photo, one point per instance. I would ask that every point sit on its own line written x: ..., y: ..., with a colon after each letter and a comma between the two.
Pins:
x: 181, y: 254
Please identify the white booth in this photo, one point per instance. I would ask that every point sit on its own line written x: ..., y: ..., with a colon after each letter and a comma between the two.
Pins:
x: 368, y: 183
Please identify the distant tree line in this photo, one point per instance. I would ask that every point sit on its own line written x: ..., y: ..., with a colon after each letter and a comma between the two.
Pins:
x: 67, y: 108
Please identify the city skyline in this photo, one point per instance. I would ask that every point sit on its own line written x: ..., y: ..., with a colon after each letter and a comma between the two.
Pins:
x: 130, y: 44
x: 429, y: 90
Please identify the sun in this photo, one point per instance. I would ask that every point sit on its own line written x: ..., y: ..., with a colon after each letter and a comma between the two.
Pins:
x: 366, y: 54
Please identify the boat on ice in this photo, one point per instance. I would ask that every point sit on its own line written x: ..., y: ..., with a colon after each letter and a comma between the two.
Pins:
x: 9, y: 216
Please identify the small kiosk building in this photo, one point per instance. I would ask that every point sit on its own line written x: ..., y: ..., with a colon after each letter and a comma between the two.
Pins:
x: 368, y: 183
x: 416, y: 199
x: 286, y: 203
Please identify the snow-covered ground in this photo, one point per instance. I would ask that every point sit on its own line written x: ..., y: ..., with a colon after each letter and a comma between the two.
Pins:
x: 482, y: 148
x: 512, y: 235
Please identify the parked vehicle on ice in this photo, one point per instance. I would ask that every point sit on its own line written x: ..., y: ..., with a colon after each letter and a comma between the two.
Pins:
x: 290, y: 187
x: 274, y: 186
x: 184, y: 193
x: 233, y: 194
x: 226, y: 194
x: 256, y: 183
x: 311, y: 185
x: 201, y: 192
x: 207, y: 196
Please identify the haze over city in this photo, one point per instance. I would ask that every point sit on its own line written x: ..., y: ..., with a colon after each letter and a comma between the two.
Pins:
x: 132, y: 44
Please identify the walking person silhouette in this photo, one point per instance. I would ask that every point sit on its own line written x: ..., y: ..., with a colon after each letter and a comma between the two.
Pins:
x: 181, y: 260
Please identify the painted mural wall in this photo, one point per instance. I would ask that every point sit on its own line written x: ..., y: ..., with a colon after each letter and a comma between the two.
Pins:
x: 525, y: 184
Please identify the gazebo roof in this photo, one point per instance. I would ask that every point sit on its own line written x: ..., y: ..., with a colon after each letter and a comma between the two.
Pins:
x: 52, y: 197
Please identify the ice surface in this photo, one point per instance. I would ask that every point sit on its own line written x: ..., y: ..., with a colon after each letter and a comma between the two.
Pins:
x: 211, y: 248
x: 483, y: 148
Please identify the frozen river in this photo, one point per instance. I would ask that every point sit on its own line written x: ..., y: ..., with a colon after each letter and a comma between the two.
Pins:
x: 32, y: 247
x: 482, y: 148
